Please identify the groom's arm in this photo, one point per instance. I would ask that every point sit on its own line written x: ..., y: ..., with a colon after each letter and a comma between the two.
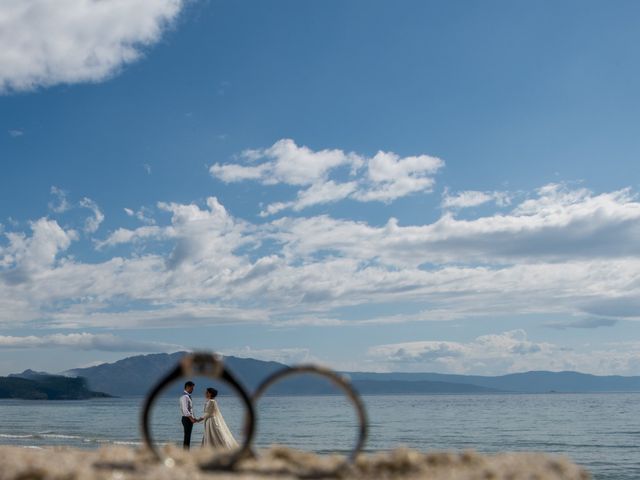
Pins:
x: 190, y: 409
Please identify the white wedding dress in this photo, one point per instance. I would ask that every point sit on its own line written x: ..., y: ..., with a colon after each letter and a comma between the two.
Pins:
x: 216, y: 432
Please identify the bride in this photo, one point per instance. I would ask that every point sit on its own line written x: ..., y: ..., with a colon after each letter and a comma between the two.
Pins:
x: 216, y: 432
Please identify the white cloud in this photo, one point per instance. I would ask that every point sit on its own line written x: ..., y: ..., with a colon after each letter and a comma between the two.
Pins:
x: 25, y: 256
x: 205, y: 237
x: 461, y: 357
x: 323, y: 193
x: 317, y: 193
x: 473, y: 198
x: 384, y: 177
x: 49, y: 42
x: 161, y: 312
x: 288, y: 163
x: 143, y: 214
x: 561, y: 228
x: 394, y: 177
x: 235, y: 173
x: 92, y: 223
x: 571, y: 254
x: 198, y: 232
x: 285, y: 162
x: 510, y: 351
x: 276, y: 207
x: 288, y: 356
x: 555, y: 197
x: 60, y: 204
x: 124, y: 235
x: 86, y: 341
x: 315, y: 321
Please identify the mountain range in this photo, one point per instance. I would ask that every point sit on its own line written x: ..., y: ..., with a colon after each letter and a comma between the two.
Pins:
x: 134, y: 376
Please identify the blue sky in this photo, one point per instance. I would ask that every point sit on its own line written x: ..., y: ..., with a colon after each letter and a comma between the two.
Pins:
x: 417, y: 186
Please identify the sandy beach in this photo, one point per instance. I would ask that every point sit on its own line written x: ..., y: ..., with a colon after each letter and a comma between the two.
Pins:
x: 115, y: 463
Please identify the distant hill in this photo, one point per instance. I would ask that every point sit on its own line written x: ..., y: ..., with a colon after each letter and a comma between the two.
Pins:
x: 31, y: 374
x: 31, y: 385
x: 527, y: 382
x: 130, y: 376
x: 135, y: 376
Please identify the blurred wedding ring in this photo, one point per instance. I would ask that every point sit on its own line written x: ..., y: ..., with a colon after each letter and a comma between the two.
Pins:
x: 209, y: 365
x: 338, y: 380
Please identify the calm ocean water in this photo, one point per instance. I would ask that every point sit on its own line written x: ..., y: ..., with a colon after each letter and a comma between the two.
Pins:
x: 599, y: 431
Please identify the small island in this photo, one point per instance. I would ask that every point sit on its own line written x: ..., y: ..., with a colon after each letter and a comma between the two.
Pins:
x: 31, y: 385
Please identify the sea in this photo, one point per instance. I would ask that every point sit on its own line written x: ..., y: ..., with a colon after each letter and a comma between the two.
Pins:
x: 601, y: 431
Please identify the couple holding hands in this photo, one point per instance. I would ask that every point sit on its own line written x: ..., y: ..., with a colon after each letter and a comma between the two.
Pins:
x: 216, y: 432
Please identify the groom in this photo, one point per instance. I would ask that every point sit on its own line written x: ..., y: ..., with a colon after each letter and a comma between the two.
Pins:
x: 186, y: 408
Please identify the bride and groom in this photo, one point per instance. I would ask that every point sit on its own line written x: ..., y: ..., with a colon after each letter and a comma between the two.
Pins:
x: 216, y: 432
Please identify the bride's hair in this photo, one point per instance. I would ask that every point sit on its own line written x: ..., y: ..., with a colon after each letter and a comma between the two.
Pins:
x: 212, y: 391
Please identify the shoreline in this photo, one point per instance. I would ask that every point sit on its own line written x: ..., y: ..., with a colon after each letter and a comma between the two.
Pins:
x: 333, y: 395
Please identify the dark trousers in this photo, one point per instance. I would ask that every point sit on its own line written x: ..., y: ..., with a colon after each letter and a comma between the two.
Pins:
x: 187, y: 424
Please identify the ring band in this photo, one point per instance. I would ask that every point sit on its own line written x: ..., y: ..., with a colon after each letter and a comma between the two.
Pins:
x: 210, y: 365
x: 338, y: 380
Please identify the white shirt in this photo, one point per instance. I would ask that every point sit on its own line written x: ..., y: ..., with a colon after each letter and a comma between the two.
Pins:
x: 186, y: 405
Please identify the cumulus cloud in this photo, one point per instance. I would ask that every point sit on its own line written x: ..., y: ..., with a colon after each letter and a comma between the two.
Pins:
x: 286, y: 162
x: 393, y: 177
x: 510, y: 351
x: 384, y: 177
x: 205, y: 236
x: 557, y: 226
x: 556, y: 252
x: 86, y: 341
x: 28, y: 256
x: 49, y: 42
x: 507, y: 344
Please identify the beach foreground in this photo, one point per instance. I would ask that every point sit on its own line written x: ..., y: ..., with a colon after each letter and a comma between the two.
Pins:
x: 278, y: 462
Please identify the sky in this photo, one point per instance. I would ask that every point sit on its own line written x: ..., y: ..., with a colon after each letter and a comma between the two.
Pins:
x: 438, y: 186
